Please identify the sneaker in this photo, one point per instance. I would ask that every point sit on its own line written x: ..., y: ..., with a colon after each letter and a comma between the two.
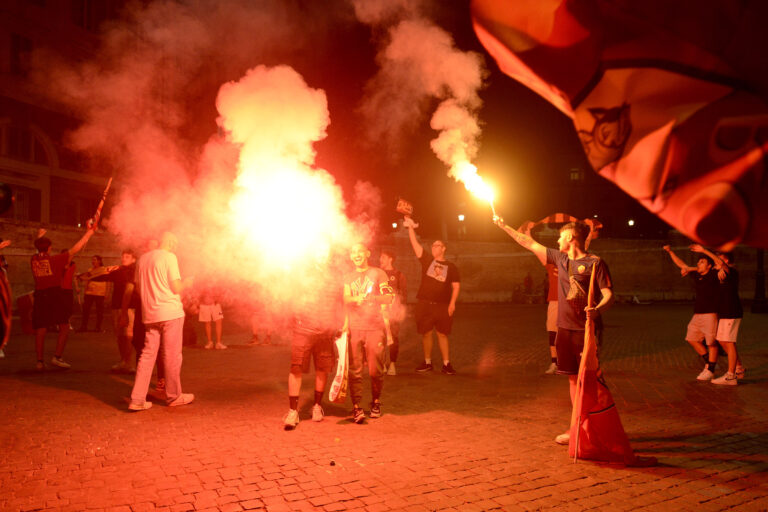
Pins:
x: 424, y: 367
x: 392, y: 370
x: 705, y: 375
x: 448, y: 369
x: 254, y: 340
x: 563, y: 438
x: 208, y: 346
x: 551, y: 370
x: 727, y: 379
x: 40, y: 366
x: 740, y: 371
x: 220, y: 346
x: 375, y: 409
x: 358, y: 415
x: 139, y: 407
x: 182, y: 399
x: 317, y: 412
x: 2, y: 354
x: 122, y: 367
x: 267, y: 340
x: 57, y: 361
x: 291, y: 419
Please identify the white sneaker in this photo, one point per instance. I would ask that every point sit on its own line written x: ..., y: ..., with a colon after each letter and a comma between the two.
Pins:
x: 182, y: 399
x: 57, y: 361
x: 727, y: 379
x: 2, y: 354
x: 291, y: 419
x: 705, y: 375
x: 551, y: 370
x: 139, y: 407
x: 563, y: 438
x: 317, y: 413
x: 391, y: 370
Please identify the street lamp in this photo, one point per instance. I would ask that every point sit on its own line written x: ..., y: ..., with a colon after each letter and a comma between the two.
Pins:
x: 461, y: 217
x: 631, y: 222
x: 394, y: 225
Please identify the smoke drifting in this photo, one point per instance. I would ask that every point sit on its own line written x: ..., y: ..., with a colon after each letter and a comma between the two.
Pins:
x: 243, y: 195
x: 419, y: 64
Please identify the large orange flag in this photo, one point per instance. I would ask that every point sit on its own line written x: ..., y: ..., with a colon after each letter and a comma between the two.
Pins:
x: 669, y: 102
x: 596, y: 429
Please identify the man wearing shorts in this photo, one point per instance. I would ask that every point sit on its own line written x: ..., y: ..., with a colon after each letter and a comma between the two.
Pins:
x: 314, y: 329
x: 702, y: 328
x: 574, y: 268
x: 49, y: 307
x: 437, y: 296
x: 729, y: 313
x: 210, y: 312
x: 366, y: 293
x: 551, y: 316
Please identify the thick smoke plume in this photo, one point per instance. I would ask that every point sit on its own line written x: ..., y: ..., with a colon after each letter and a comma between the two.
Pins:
x: 419, y: 64
x: 251, y: 211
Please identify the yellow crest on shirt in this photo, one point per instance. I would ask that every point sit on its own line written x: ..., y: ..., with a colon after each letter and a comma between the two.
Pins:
x: 581, y: 269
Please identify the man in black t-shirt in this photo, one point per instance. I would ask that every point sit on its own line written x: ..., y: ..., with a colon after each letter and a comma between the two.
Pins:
x: 702, y: 327
x: 437, y: 296
x: 120, y: 277
x: 729, y: 313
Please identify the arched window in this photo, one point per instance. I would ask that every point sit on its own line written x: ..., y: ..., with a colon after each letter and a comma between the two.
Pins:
x: 26, y: 142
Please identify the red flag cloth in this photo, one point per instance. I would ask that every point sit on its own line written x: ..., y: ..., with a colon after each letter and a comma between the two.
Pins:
x: 596, y: 429
x: 668, y: 106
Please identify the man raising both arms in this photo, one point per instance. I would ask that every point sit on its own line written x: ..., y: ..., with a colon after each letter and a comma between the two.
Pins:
x: 574, y: 268
x: 437, y: 296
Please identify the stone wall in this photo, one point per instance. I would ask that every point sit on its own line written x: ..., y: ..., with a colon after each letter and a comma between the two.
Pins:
x: 490, y: 272
x: 494, y: 272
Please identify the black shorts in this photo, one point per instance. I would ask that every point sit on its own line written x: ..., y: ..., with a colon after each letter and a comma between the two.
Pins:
x: 48, y: 308
x: 433, y: 315
x: 67, y: 302
x: 569, y: 345
x: 306, y: 346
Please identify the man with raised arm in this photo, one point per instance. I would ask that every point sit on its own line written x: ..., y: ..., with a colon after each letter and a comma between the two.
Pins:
x: 701, y: 333
x: 437, y: 296
x: 48, y: 307
x: 574, y: 268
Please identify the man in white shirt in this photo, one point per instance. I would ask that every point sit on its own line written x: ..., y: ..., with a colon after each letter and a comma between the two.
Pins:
x: 160, y: 286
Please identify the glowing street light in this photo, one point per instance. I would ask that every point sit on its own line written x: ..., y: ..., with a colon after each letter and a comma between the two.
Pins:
x: 461, y: 217
x: 394, y: 225
x: 631, y: 222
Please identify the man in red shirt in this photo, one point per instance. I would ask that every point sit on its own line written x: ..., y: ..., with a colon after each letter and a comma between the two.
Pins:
x: 48, y: 307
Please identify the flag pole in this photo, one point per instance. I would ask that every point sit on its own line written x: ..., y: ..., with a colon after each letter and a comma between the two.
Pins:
x: 588, y: 341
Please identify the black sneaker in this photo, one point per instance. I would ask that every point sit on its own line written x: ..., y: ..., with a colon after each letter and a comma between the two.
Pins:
x: 358, y: 415
x: 424, y: 367
x: 375, y: 409
x: 448, y: 369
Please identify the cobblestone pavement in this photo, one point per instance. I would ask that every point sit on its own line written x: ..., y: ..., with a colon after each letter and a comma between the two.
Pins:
x: 480, y: 440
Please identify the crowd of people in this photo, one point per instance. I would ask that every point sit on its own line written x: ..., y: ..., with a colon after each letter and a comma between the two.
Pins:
x: 368, y: 303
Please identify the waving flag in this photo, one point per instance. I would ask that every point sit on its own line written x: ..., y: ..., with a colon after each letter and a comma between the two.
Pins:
x: 668, y: 99
x: 563, y: 218
x: 596, y: 429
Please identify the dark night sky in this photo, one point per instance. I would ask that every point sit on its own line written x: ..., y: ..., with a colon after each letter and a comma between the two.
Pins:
x: 527, y: 150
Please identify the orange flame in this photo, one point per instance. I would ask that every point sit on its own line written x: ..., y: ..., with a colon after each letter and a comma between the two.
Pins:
x: 466, y: 173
